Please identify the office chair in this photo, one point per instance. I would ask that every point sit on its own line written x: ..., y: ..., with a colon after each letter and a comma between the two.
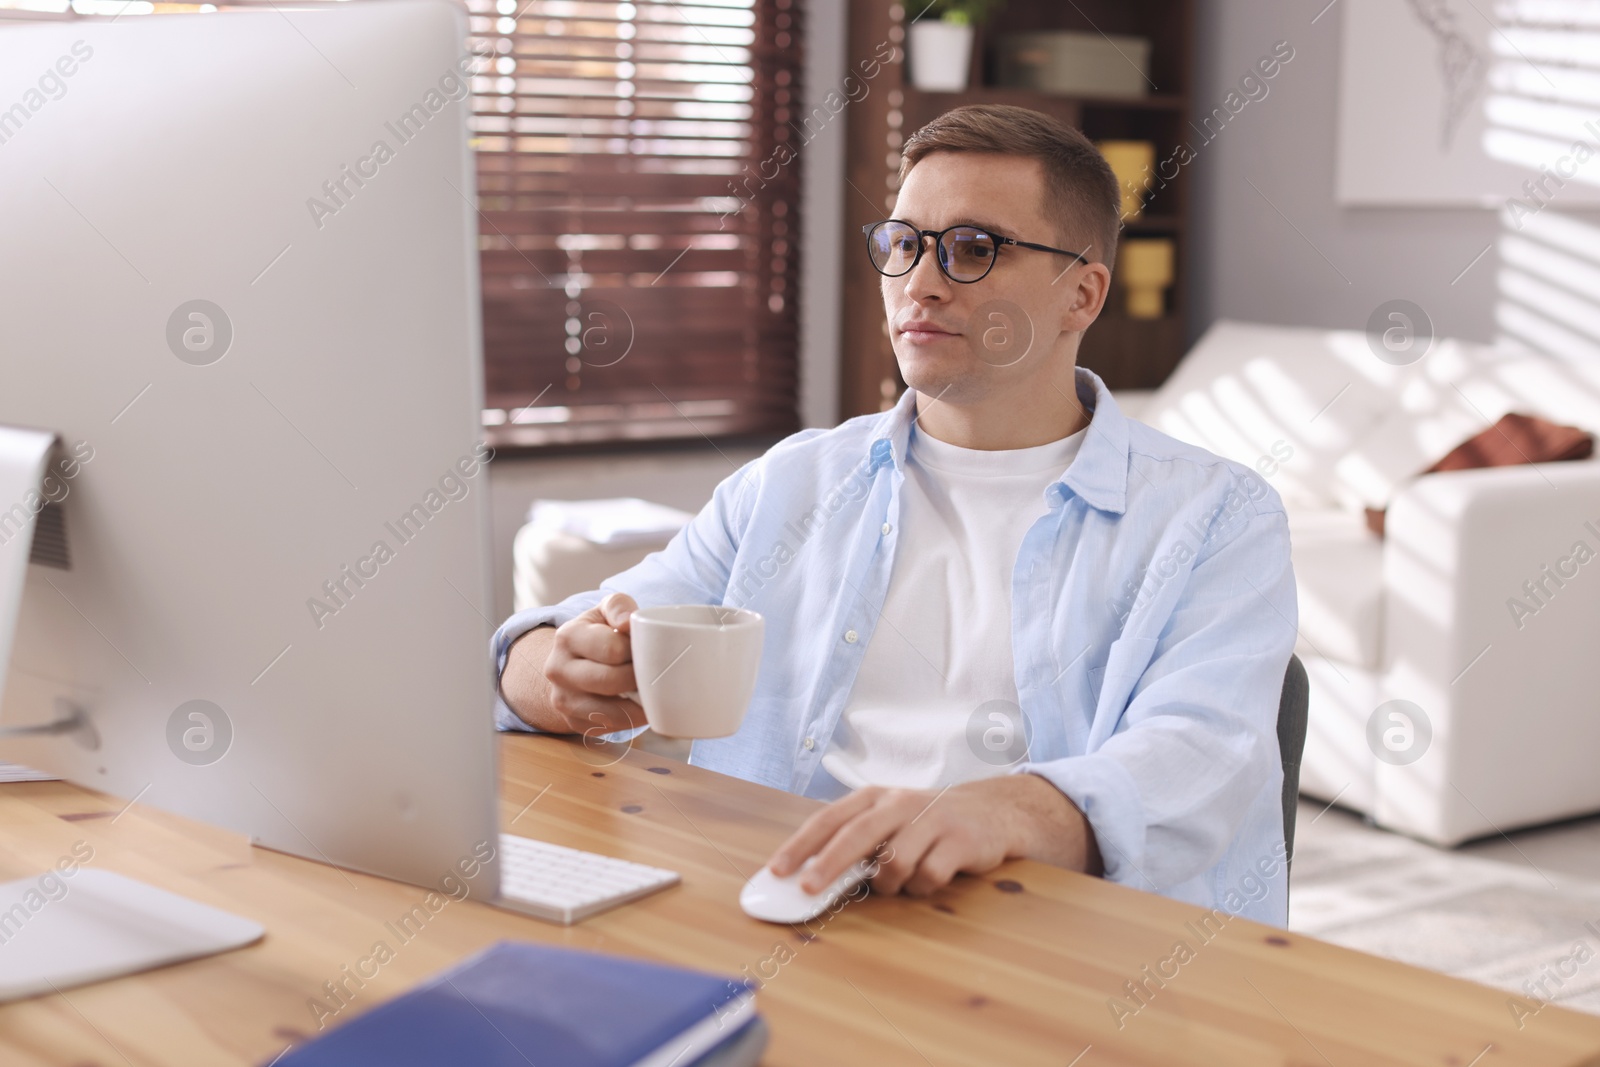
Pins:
x: 1292, y: 713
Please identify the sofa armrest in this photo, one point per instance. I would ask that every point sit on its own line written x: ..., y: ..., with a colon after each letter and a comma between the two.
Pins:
x: 1492, y: 606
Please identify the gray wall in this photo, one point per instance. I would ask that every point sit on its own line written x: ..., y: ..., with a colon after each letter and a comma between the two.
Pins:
x: 1247, y: 261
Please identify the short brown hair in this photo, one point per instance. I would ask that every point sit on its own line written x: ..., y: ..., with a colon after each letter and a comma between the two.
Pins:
x: 1080, y: 188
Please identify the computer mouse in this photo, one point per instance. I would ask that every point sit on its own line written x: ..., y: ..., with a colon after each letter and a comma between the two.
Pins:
x: 781, y: 900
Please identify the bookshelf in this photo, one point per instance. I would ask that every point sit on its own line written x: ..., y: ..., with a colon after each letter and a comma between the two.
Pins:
x: 1128, y: 353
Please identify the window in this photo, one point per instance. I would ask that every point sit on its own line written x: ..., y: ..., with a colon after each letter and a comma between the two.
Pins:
x: 638, y: 190
x: 640, y: 232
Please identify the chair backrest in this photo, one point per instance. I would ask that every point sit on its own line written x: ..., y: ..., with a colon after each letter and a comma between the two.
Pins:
x: 1292, y: 712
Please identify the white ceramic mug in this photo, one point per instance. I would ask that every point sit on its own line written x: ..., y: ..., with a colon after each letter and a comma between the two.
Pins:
x: 696, y: 667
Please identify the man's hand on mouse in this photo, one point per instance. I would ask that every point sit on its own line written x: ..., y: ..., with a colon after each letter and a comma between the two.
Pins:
x: 588, y: 668
x: 928, y: 836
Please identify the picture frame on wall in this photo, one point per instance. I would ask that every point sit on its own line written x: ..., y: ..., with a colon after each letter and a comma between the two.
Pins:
x: 1453, y: 103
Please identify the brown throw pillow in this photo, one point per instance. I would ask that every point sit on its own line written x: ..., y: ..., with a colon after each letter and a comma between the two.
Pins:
x: 1514, y: 440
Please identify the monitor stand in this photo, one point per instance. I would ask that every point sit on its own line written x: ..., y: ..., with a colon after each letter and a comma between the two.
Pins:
x: 25, y: 456
x: 71, y: 925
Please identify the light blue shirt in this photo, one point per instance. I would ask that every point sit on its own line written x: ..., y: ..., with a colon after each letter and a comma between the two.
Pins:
x: 1152, y: 617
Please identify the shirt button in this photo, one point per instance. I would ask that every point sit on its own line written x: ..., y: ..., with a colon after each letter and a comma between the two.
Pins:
x: 850, y: 637
x: 810, y: 744
x: 887, y: 527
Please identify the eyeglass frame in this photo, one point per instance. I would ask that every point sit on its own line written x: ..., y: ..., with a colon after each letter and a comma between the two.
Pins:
x: 938, y: 235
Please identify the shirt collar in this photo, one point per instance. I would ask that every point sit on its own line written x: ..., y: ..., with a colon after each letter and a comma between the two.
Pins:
x: 889, y: 446
x: 1099, y: 474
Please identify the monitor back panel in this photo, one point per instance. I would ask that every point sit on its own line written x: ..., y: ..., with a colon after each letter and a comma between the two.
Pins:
x: 239, y: 263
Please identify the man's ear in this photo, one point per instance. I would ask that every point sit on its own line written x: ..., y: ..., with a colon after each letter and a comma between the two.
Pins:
x: 1090, y: 285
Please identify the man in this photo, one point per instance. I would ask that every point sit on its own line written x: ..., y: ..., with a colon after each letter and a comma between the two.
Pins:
x: 1002, y: 619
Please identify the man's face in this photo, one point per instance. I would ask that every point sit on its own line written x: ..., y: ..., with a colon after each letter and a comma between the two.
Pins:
x: 961, y: 342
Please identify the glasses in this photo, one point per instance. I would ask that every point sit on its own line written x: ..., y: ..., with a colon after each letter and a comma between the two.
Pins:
x: 965, y: 253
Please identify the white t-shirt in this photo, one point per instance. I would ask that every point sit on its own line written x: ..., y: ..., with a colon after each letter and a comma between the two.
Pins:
x: 942, y: 649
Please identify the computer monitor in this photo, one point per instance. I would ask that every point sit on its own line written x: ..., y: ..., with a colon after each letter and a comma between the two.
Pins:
x: 238, y: 260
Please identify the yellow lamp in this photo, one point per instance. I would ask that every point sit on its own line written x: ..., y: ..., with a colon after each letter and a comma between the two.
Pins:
x: 1145, y: 266
x: 1131, y: 162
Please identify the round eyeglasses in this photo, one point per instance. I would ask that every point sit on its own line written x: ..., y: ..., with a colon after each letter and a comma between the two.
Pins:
x: 965, y: 253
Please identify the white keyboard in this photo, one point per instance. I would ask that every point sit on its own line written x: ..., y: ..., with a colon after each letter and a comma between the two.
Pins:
x: 566, y: 885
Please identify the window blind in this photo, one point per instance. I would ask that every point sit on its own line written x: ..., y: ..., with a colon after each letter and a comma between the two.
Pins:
x: 639, y: 191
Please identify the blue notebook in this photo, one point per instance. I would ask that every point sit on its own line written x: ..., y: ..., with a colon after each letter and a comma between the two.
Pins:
x: 518, y: 1003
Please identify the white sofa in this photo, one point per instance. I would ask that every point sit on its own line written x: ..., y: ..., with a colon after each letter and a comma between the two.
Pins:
x: 1510, y: 695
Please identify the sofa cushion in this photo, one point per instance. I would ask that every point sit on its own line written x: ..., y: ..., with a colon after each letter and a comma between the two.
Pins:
x: 1289, y: 401
x: 1338, y: 572
x: 1460, y: 390
x: 1515, y: 440
x: 1518, y: 439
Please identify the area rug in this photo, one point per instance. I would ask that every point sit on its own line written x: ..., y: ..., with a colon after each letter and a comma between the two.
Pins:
x: 1533, y: 933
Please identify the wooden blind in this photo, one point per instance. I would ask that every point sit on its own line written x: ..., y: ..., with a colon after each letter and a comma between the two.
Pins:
x: 638, y: 189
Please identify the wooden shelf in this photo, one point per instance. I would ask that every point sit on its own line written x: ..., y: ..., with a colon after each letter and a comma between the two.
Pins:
x: 1131, y: 353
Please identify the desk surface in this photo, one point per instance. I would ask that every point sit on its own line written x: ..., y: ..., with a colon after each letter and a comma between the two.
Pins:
x: 1018, y: 966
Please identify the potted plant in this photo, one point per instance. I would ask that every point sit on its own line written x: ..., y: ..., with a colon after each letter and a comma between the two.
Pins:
x: 941, y: 42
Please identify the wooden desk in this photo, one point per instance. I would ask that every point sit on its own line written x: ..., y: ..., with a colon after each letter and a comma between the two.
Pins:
x: 1016, y: 967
